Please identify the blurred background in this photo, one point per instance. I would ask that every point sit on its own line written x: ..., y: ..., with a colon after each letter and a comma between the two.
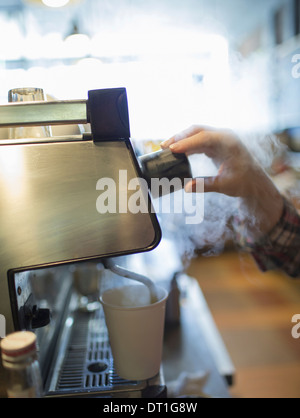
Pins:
x: 227, y: 63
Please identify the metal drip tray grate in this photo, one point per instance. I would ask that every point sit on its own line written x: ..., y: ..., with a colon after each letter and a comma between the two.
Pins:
x: 87, y: 365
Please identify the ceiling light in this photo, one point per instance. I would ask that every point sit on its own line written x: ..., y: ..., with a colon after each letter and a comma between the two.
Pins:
x: 55, y: 3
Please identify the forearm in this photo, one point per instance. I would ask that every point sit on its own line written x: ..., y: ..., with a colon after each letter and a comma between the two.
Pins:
x: 265, y: 224
x: 262, y: 207
x: 280, y: 247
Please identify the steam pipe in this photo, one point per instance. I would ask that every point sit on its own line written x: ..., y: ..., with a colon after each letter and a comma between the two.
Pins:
x: 121, y: 271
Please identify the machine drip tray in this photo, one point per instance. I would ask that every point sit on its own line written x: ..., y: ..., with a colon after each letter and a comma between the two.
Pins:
x: 85, y: 365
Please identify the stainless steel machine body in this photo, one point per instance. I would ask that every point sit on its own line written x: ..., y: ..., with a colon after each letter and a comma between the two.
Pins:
x: 49, y: 218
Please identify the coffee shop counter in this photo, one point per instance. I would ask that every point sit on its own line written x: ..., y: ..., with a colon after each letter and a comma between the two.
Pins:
x: 195, y: 360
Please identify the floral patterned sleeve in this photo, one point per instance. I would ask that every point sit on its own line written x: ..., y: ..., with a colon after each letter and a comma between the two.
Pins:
x: 281, y: 247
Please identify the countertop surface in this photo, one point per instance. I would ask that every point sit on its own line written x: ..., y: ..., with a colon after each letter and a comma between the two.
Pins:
x: 195, y: 360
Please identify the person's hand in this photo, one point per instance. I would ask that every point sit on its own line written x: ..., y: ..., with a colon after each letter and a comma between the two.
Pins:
x: 237, y: 169
x: 239, y: 174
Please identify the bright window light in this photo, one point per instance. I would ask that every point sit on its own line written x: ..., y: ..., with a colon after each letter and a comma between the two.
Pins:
x: 55, y: 3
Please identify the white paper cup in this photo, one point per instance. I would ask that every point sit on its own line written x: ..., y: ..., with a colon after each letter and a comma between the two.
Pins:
x: 135, y: 332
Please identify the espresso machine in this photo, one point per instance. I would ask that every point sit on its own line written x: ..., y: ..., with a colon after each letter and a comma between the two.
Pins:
x: 51, y: 230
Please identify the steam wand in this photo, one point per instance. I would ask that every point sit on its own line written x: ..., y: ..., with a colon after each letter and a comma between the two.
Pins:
x: 121, y: 271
